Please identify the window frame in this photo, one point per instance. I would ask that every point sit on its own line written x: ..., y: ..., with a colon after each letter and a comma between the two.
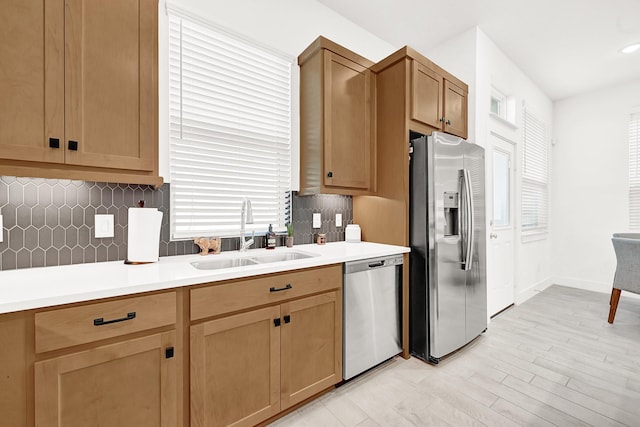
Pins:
x: 535, y: 176
x: 177, y: 230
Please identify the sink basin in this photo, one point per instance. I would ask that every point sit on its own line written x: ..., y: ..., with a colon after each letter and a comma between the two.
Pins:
x: 286, y: 256
x: 216, y: 264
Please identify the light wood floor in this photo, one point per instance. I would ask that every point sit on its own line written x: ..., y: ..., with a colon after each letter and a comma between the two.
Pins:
x: 553, y: 360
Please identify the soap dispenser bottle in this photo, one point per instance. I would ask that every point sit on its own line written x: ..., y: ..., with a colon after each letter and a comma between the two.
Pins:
x: 271, y: 238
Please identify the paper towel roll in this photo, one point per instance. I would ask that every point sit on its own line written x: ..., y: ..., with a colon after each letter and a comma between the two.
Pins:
x: 143, y: 244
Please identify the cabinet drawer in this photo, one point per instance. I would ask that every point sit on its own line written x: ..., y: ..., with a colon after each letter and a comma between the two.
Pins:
x: 215, y: 300
x: 67, y: 327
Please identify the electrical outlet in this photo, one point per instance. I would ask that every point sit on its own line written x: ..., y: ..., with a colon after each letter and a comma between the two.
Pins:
x: 338, y: 220
x: 317, y: 220
x: 103, y: 226
x: 1, y: 229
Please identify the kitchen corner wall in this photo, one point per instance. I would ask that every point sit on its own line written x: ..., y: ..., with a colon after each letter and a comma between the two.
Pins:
x: 50, y: 222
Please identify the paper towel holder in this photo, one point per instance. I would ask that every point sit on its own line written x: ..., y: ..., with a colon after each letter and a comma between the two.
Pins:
x: 140, y: 204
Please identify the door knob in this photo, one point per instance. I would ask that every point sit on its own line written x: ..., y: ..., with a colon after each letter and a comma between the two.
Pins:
x: 493, y: 236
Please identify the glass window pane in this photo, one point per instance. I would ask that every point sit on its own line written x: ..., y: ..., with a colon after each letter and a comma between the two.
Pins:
x: 501, y: 190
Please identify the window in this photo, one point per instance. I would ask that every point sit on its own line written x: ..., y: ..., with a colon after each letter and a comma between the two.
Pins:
x: 535, y: 189
x: 230, y: 131
x: 498, y: 103
x: 634, y: 171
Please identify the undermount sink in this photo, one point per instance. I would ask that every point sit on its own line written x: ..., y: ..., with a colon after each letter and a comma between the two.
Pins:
x: 287, y: 256
x: 217, y: 264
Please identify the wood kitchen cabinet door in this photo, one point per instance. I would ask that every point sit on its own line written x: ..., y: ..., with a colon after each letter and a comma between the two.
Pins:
x: 455, y: 110
x: 311, y: 346
x: 111, y: 83
x: 128, y: 384
x: 426, y: 96
x: 235, y: 369
x: 31, y: 80
x: 348, y: 149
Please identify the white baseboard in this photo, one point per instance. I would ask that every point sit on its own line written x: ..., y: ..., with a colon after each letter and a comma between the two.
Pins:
x: 532, y: 290
x: 587, y: 285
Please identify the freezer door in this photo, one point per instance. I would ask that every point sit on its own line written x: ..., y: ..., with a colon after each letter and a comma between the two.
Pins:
x: 447, y: 281
x: 476, y: 276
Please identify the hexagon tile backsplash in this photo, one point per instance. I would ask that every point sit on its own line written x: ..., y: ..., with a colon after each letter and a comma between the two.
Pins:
x: 51, y: 222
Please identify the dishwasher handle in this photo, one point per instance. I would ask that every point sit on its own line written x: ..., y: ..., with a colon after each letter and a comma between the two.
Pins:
x: 351, y: 267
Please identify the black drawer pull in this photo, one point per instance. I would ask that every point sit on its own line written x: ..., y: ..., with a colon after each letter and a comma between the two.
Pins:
x: 73, y: 145
x: 100, y: 321
x: 276, y: 322
x: 54, y: 142
x: 272, y: 289
x: 287, y: 318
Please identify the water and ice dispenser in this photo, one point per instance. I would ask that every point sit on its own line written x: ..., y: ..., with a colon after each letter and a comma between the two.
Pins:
x: 451, y: 211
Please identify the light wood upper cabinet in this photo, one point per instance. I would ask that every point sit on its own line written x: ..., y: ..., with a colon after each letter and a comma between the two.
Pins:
x: 455, y: 110
x: 437, y: 101
x: 82, y: 90
x: 337, y: 121
x: 31, y: 80
x: 426, y: 95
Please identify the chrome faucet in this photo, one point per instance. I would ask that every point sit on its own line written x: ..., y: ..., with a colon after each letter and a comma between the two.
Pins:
x: 246, y: 217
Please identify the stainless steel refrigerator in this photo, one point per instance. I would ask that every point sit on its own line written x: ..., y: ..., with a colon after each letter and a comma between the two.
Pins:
x: 448, y: 289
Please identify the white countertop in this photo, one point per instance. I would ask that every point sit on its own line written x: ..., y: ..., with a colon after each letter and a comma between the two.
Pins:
x: 31, y: 288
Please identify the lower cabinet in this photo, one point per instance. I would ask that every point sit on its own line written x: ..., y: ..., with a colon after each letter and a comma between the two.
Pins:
x: 127, y: 384
x: 246, y: 368
x: 131, y: 380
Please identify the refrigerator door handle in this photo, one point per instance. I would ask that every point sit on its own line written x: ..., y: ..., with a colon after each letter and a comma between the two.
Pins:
x: 469, y: 238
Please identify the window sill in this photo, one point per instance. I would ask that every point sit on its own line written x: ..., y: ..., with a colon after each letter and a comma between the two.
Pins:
x: 503, y: 121
x: 534, y: 236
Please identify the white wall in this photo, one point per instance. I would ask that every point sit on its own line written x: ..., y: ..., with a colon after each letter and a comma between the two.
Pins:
x: 458, y: 56
x: 288, y: 26
x: 590, y: 176
x: 533, y: 261
x: 475, y: 59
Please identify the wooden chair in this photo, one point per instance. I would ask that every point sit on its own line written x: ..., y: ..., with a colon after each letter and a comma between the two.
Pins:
x: 627, y: 277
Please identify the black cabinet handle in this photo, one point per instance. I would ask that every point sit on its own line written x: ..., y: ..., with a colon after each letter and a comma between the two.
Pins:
x: 442, y: 119
x: 330, y: 174
x: 276, y: 322
x: 54, y: 143
x: 168, y: 353
x: 272, y: 289
x: 73, y: 145
x: 287, y: 319
x: 448, y: 122
x: 100, y: 321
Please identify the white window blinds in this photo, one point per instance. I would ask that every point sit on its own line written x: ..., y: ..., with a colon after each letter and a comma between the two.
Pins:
x: 535, y: 189
x: 230, y: 131
x: 634, y: 171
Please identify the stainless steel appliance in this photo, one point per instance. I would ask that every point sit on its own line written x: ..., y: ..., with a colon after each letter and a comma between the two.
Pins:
x: 447, y: 280
x: 371, y: 316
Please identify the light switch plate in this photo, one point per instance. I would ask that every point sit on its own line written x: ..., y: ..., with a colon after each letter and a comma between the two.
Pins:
x: 317, y: 220
x: 103, y: 226
x: 338, y: 220
x: 1, y: 229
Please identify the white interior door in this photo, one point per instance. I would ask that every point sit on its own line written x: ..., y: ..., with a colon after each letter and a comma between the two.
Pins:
x: 501, y: 266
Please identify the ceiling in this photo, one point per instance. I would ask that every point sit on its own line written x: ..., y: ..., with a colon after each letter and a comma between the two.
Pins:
x: 566, y: 47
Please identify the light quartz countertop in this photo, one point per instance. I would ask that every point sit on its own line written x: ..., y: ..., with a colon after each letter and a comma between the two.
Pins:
x: 32, y: 288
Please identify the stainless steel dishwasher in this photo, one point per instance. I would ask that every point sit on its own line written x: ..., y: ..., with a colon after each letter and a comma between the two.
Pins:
x: 371, y: 315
